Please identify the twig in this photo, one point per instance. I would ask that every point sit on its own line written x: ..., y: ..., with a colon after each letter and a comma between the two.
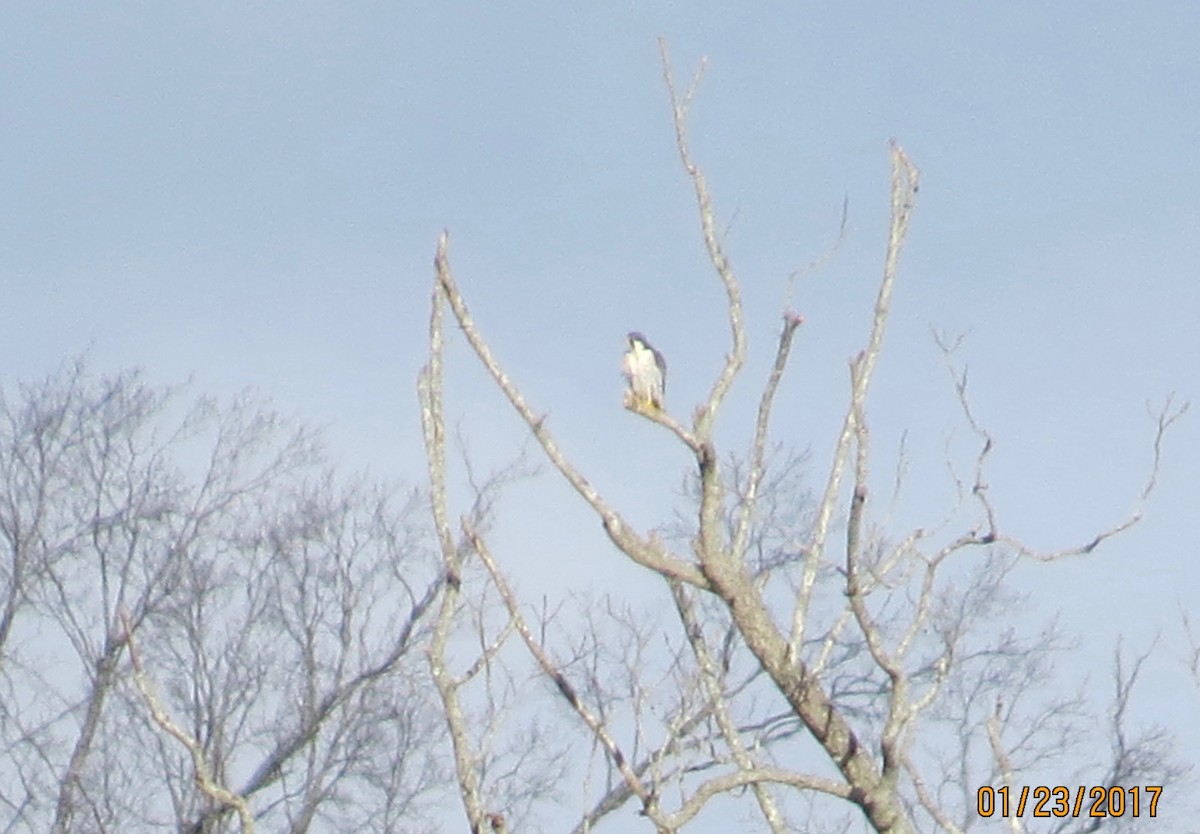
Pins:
x: 822, y: 259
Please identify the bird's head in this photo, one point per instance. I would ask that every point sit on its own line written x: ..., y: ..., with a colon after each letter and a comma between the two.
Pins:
x: 636, y: 339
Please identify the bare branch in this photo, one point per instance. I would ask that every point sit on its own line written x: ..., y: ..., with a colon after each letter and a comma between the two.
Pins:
x: 716, y: 695
x: 1006, y: 768
x: 433, y: 421
x: 791, y: 321
x: 1164, y: 419
x: 855, y: 593
x: 222, y: 796
x: 758, y: 776
x: 646, y: 552
x: 712, y: 241
x: 905, y: 179
x: 927, y: 800
x: 664, y: 419
x: 648, y: 797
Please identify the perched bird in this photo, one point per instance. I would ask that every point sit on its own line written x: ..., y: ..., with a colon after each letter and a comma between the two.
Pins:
x: 646, y: 373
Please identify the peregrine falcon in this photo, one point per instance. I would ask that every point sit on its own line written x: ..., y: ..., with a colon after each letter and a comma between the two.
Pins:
x: 646, y: 373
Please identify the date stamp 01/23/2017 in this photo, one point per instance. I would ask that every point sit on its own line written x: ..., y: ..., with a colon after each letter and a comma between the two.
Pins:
x: 1061, y: 801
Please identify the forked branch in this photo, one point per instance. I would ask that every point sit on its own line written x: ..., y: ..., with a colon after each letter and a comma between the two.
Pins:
x: 905, y: 181
x: 429, y: 388
x: 1164, y: 418
x: 205, y: 781
x: 712, y: 242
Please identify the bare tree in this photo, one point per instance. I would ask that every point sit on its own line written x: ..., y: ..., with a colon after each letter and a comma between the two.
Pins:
x: 873, y: 677
x: 203, y: 628
x: 277, y: 609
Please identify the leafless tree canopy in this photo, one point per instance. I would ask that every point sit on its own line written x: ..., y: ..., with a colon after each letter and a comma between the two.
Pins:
x: 818, y: 669
x: 277, y: 616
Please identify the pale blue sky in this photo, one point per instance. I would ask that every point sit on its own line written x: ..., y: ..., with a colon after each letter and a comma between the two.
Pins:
x: 252, y: 193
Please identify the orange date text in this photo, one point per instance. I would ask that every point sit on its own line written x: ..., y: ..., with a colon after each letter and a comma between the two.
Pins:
x: 1061, y: 801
